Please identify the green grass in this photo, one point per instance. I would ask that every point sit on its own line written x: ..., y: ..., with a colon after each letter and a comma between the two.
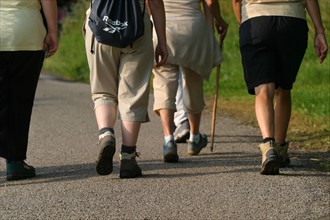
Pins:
x: 70, y: 60
x: 310, y: 124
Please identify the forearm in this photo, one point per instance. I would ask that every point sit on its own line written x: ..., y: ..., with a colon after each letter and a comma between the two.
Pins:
x: 208, y: 15
x: 237, y: 10
x: 49, y: 8
x: 214, y: 9
x: 148, y: 8
x: 320, y: 42
x: 313, y: 9
x: 158, y: 16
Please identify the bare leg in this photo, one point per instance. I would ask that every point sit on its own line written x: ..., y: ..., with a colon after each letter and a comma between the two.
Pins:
x: 282, y: 114
x: 265, y: 115
x: 264, y: 108
x: 106, y: 116
x: 194, y: 121
x: 130, y: 131
x: 167, y: 117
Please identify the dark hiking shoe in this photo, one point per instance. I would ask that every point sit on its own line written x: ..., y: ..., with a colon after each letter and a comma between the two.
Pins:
x: 195, y: 148
x: 182, y: 132
x: 105, y: 159
x: 170, y: 152
x: 283, y: 154
x: 270, y: 160
x: 128, y: 165
x: 17, y: 170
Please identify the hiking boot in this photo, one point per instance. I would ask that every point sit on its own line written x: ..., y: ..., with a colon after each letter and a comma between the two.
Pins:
x: 283, y: 154
x: 270, y: 159
x: 195, y: 148
x: 170, y: 152
x: 17, y: 170
x: 182, y: 132
x: 128, y: 165
x: 108, y: 148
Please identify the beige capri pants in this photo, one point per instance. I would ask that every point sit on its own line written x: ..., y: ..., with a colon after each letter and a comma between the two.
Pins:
x: 165, y: 85
x: 121, y: 76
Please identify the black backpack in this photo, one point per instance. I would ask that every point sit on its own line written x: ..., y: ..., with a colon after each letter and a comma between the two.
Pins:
x: 117, y: 23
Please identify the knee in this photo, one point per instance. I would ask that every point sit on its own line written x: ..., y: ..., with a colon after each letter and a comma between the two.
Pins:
x: 282, y: 92
x: 265, y: 90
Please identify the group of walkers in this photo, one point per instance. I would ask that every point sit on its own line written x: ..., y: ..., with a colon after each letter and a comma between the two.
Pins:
x: 179, y: 48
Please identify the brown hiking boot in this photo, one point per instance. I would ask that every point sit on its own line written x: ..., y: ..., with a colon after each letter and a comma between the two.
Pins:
x: 283, y: 154
x: 270, y: 159
x: 128, y: 165
x: 104, y: 162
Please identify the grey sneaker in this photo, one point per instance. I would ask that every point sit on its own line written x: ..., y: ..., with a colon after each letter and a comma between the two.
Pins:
x: 283, y: 154
x: 195, y: 148
x: 128, y: 165
x: 170, y: 154
x: 182, y: 132
x: 104, y: 162
x: 270, y: 160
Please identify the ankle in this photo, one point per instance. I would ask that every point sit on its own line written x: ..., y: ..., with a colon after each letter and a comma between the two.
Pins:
x: 168, y: 139
x: 194, y: 138
x: 105, y: 132
x: 128, y: 149
x: 267, y: 139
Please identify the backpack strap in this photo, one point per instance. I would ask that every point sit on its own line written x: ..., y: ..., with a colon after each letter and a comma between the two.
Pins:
x: 92, y: 44
x: 143, y: 11
x: 93, y: 36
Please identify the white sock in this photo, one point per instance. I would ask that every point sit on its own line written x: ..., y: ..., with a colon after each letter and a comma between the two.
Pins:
x: 168, y: 138
x: 104, y: 134
x: 194, y: 138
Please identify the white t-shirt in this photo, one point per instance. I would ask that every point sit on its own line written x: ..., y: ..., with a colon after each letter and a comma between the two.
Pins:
x: 289, y: 8
x: 21, y: 25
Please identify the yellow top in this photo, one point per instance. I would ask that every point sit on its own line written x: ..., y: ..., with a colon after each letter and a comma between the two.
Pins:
x: 289, y: 8
x: 21, y: 25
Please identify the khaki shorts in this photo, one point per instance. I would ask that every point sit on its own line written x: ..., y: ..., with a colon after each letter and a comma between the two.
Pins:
x: 121, y: 76
x: 165, y: 85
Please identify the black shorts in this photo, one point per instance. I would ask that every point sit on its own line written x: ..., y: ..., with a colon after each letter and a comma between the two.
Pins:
x: 272, y: 49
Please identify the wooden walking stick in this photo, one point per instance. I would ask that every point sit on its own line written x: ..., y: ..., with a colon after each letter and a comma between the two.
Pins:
x: 215, y: 99
x: 215, y: 104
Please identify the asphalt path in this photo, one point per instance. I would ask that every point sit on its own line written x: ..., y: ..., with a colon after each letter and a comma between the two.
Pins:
x: 223, y: 184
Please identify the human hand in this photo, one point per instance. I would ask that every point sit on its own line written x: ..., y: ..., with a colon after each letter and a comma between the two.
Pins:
x: 161, y: 54
x: 222, y: 28
x: 321, y: 46
x: 50, y: 44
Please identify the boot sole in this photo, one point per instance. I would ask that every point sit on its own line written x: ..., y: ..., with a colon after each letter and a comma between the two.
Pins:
x: 182, y: 138
x: 285, y: 163
x: 270, y: 167
x: 128, y: 174
x: 195, y: 152
x: 104, y: 165
x: 171, y: 158
x: 19, y: 176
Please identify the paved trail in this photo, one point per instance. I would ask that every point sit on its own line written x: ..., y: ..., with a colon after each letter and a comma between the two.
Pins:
x: 223, y: 184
